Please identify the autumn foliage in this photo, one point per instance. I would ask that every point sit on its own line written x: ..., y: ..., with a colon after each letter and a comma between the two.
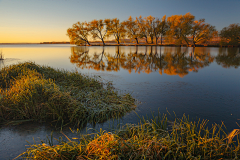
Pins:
x: 174, y: 30
x: 230, y: 35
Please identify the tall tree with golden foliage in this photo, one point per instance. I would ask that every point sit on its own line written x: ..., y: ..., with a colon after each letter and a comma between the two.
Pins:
x: 150, y: 26
x: 143, y: 33
x: 115, y: 28
x: 231, y: 35
x: 202, y: 32
x: 180, y: 28
x: 160, y: 28
x: 98, y: 29
x: 132, y: 29
x: 79, y: 33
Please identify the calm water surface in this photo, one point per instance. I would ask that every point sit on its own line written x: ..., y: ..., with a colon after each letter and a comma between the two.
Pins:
x: 200, y: 82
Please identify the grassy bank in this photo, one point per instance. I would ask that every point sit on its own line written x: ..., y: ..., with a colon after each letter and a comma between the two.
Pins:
x: 32, y: 92
x: 150, y: 139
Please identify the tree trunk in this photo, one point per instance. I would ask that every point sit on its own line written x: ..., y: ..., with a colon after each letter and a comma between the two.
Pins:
x: 194, y: 41
x: 136, y: 40
x: 146, y: 40
x: 161, y: 39
x: 185, y: 38
x: 88, y: 42
x: 118, y: 39
x: 103, y: 42
x: 156, y: 40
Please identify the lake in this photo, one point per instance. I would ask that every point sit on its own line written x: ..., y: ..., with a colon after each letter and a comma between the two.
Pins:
x: 202, y: 82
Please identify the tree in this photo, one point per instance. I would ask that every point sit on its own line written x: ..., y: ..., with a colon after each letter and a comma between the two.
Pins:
x: 231, y: 34
x: 202, y: 32
x: 150, y: 26
x: 132, y: 29
x: 115, y: 28
x: 79, y: 33
x: 160, y: 28
x: 98, y: 29
x: 180, y: 28
x: 143, y: 32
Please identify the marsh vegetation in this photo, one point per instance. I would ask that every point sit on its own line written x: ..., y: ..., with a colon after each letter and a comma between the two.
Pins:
x: 32, y: 92
x: 155, y: 138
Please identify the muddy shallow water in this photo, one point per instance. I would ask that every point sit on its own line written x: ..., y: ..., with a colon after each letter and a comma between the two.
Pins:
x: 200, y: 82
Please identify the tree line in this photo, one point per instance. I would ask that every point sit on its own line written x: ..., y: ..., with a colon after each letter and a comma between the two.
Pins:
x: 176, y: 29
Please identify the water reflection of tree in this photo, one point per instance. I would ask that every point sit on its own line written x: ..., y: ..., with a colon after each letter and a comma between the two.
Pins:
x: 80, y: 56
x: 228, y: 57
x: 171, y: 61
x: 115, y: 62
x: 200, y: 58
x: 177, y: 62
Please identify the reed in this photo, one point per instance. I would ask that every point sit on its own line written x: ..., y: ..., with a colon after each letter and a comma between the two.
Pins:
x: 1, y: 55
x: 150, y: 139
x: 32, y: 92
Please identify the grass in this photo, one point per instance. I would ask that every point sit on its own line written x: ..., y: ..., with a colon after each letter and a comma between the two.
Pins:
x: 150, y: 139
x: 32, y: 92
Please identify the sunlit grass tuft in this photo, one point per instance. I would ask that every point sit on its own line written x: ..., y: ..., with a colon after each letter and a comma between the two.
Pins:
x: 150, y: 139
x: 30, y: 91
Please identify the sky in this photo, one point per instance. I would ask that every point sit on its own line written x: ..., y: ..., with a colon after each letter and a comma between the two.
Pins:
x: 34, y: 21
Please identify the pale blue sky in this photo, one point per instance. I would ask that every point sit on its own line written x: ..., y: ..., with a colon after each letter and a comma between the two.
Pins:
x: 48, y: 20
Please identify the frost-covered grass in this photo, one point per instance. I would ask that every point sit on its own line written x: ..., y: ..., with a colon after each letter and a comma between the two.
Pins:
x: 32, y: 92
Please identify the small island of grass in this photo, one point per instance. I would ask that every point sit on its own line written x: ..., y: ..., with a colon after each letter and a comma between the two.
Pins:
x: 32, y: 92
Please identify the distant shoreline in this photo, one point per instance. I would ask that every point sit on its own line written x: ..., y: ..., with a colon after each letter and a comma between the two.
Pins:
x: 16, y: 43
x: 37, y: 43
x: 168, y: 45
x: 124, y: 44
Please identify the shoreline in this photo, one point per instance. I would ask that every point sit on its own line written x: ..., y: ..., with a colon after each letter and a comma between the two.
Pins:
x: 131, y: 44
x: 168, y: 45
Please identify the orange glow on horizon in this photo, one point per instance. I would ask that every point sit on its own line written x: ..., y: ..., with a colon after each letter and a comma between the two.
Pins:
x: 32, y: 35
